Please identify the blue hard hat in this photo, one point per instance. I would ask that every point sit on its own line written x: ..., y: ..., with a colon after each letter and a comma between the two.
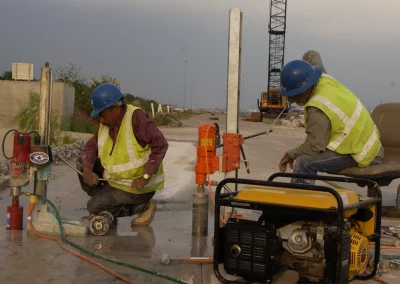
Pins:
x: 105, y: 96
x: 297, y: 76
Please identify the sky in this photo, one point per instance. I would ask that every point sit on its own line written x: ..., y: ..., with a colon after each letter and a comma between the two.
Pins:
x: 146, y: 43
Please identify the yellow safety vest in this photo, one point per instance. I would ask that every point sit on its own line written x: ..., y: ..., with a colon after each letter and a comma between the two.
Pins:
x: 353, y: 130
x: 128, y: 159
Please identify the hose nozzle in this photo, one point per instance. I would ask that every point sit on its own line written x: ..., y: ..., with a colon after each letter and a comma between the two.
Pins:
x: 32, y: 203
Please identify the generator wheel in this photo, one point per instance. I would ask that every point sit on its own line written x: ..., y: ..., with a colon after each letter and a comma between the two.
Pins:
x: 99, y: 225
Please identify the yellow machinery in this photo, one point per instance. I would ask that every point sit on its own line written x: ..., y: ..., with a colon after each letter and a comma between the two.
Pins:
x: 324, y: 234
x: 272, y: 103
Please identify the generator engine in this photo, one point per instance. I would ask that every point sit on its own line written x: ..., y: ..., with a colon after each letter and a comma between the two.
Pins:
x: 309, y: 248
x: 256, y: 250
x: 310, y: 232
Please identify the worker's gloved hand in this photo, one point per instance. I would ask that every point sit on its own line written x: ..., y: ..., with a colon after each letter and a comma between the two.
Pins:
x: 284, y: 161
x: 89, y: 177
x: 139, y: 182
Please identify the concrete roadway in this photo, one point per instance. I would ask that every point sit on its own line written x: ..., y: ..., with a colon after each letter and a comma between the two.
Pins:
x: 25, y: 258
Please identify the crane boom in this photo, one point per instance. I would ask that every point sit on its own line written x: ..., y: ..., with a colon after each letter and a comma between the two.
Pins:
x: 271, y: 100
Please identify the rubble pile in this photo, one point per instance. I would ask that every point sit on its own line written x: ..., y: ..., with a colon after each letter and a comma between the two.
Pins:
x: 69, y: 151
x: 294, y: 121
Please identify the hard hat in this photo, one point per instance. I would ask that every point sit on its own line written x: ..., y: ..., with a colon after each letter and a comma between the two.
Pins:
x: 105, y: 96
x: 297, y: 76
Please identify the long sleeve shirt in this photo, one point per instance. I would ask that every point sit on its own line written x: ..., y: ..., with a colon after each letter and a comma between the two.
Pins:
x: 146, y: 133
x: 318, y: 130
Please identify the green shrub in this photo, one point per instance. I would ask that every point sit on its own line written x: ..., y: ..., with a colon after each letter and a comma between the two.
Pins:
x: 27, y: 119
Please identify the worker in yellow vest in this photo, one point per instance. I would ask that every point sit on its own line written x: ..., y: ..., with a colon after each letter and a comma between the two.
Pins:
x: 340, y: 131
x: 127, y: 150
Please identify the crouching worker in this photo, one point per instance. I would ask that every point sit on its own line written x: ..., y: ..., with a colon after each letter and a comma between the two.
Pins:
x: 127, y: 150
x: 340, y: 132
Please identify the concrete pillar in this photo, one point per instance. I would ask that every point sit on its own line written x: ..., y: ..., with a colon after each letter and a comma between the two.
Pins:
x: 234, y: 65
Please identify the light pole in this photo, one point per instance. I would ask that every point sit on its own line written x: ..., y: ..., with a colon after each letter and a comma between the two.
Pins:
x: 191, y: 97
x: 184, y: 87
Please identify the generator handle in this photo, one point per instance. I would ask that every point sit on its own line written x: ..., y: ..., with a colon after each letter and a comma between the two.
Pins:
x: 372, y: 185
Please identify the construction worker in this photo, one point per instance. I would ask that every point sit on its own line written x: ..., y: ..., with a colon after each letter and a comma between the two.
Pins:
x: 340, y: 131
x: 314, y: 58
x: 130, y: 150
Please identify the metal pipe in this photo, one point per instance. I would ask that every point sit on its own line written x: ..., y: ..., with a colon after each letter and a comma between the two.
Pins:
x: 200, y: 214
x: 76, y: 170
x: 40, y: 186
x: 44, y: 104
x: 15, y: 191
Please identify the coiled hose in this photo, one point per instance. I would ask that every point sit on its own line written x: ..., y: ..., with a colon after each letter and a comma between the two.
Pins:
x: 64, y: 239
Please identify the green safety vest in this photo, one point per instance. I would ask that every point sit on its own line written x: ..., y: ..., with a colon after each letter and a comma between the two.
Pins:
x: 353, y: 130
x: 128, y: 159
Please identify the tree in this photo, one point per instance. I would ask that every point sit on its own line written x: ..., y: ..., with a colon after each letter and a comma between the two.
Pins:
x: 69, y: 74
x: 83, y: 89
x: 7, y: 75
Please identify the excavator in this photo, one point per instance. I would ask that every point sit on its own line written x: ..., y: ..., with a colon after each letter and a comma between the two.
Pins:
x: 271, y: 103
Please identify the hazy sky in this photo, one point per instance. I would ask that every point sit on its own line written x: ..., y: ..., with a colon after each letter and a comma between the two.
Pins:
x: 145, y: 43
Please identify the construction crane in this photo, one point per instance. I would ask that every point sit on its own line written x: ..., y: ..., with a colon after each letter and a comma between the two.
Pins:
x: 271, y: 103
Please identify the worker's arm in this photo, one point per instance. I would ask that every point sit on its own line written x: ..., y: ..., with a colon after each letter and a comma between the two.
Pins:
x: 318, y: 129
x: 147, y: 133
x: 89, y: 154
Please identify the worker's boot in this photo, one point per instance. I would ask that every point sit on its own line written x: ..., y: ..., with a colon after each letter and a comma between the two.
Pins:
x: 147, y: 215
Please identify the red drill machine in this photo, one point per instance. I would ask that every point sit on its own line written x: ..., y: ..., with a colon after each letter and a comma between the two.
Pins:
x: 26, y: 157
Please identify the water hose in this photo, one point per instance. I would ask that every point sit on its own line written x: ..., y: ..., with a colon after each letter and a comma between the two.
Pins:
x: 31, y: 207
x: 122, y: 263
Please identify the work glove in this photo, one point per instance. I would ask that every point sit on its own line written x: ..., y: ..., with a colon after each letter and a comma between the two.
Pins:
x: 89, y: 177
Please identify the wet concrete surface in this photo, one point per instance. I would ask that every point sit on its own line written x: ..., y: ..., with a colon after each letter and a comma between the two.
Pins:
x: 25, y: 258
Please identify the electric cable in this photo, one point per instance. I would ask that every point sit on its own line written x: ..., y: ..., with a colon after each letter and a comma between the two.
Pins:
x: 4, y: 139
x: 115, y: 261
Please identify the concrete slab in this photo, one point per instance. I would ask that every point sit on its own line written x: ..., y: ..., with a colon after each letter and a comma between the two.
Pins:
x: 28, y: 259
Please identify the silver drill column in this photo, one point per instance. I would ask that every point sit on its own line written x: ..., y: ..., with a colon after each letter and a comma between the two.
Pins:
x: 40, y: 185
x: 200, y: 214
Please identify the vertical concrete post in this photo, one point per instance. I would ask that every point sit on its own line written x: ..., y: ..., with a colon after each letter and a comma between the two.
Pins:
x: 152, y: 110
x: 234, y: 65
x: 159, y: 108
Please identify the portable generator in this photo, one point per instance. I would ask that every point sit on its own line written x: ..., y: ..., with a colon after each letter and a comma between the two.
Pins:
x: 324, y: 234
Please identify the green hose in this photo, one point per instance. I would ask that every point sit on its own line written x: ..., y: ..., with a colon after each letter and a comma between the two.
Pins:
x: 64, y: 239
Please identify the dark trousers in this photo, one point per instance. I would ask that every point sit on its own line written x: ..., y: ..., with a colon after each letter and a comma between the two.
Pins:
x: 328, y: 162
x: 114, y: 200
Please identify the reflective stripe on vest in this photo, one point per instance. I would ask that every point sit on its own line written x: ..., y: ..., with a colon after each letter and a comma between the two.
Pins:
x: 349, y: 122
x: 367, y: 146
x: 127, y: 182
x: 128, y: 158
x: 134, y: 162
x: 353, y: 130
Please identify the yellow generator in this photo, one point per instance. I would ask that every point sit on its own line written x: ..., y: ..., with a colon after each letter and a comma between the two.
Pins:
x: 324, y: 234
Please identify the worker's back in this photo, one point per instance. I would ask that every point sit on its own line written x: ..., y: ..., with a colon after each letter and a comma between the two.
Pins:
x: 314, y: 58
